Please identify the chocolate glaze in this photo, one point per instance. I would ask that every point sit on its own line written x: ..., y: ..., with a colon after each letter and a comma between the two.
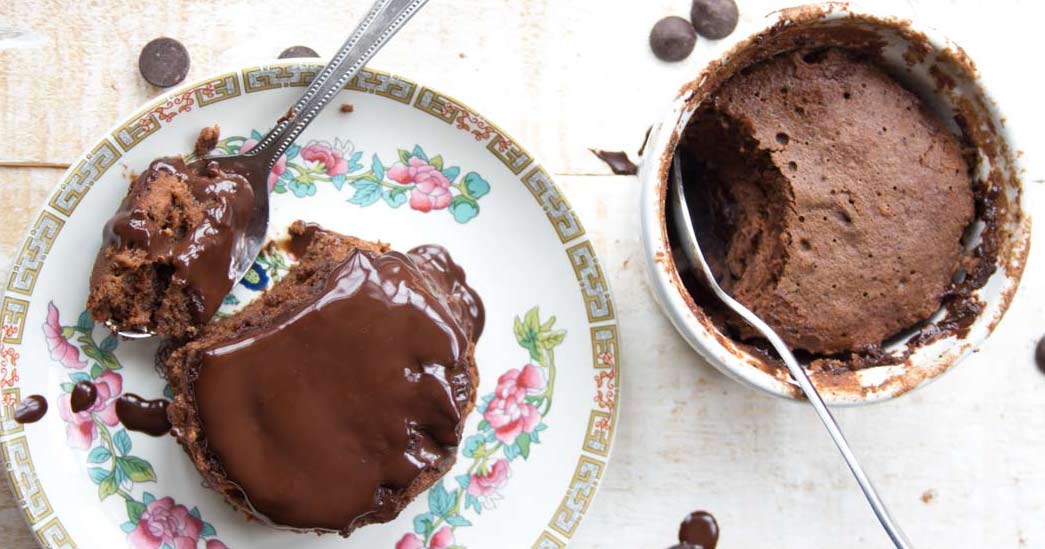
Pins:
x: 341, y: 402
x: 83, y: 397
x: 200, y: 260
x: 31, y: 409
x: 144, y: 416
x: 699, y: 528
x: 435, y: 262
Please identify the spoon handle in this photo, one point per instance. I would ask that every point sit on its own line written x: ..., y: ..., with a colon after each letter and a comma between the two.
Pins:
x: 691, y: 248
x: 385, y: 18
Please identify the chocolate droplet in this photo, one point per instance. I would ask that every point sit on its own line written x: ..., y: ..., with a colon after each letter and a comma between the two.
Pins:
x: 699, y: 528
x: 164, y: 62
x: 145, y: 416
x: 714, y: 19
x: 672, y: 39
x: 83, y: 397
x: 618, y: 161
x: 31, y: 409
x: 1039, y: 354
x: 298, y: 51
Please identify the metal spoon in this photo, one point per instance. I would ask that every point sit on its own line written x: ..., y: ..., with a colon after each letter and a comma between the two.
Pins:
x: 385, y: 18
x: 691, y: 247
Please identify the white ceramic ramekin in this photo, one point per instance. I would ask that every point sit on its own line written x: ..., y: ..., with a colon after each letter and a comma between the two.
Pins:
x: 941, y: 73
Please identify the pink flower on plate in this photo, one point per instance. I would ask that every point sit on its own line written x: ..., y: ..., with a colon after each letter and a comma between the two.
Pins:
x: 61, y: 350
x: 485, y: 484
x: 277, y: 170
x: 165, y: 522
x: 410, y: 541
x: 508, y: 412
x: 81, y: 429
x: 216, y: 544
x: 431, y: 188
x: 324, y: 154
x: 441, y: 539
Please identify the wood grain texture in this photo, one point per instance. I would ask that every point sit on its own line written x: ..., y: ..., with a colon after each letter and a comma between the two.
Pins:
x: 562, y: 76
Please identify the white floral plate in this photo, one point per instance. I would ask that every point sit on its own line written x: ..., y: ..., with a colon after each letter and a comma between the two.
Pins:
x: 409, y: 166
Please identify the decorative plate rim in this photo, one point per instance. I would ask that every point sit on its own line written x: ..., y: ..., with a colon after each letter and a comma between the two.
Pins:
x: 130, y: 131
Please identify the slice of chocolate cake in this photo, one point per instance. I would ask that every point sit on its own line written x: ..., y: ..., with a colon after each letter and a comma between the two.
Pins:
x: 334, y: 399
x: 166, y: 255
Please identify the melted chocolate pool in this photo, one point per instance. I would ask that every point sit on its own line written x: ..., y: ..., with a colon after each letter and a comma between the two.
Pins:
x: 328, y: 414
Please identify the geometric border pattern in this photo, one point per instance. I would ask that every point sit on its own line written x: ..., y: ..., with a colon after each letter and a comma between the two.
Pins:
x: 593, y: 286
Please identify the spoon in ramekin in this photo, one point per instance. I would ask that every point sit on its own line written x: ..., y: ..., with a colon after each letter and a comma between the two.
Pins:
x: 691, y: 247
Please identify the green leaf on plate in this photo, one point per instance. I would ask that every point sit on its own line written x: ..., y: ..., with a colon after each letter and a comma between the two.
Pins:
x: 135, y: 510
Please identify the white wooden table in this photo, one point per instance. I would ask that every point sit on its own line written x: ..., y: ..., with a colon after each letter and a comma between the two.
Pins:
x: 962, y: 463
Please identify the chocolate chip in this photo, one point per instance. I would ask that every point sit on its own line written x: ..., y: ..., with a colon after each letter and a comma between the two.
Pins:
x: 672, y: 39
x: 1039, y: 354
x: 714, y: 19
x: 163, y: 62
x: 618, y: 161
x: 347, y: 107
x: 31, y: 409
x: 298, y: 51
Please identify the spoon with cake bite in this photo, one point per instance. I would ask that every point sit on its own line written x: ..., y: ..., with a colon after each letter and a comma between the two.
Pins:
x: 247, y: 173
x: 691, y: 248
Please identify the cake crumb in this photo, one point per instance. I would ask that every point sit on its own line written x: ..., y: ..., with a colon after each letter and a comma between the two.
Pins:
x: 207, y: 140
x: 928, y: 496
x: 347, y: 107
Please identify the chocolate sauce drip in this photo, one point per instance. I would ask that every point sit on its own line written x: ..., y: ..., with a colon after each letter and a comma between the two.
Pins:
x: 144, y: 416
x: 434, y: 261
x: 340, y: 406
x: 700, y: 529
x: 83, y: 397
x: 1039, y: 355
x: 618, y: 161
x: 31, y: 409
x: 197, y: 253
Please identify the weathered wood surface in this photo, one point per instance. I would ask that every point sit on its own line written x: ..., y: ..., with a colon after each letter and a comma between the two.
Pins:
x: 960, y: 462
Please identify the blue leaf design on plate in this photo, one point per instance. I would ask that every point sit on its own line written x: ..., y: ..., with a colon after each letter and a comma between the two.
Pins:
x: 423, y: 524
x: 451, y: 173
x: 419, y: 153
x: 367, y: 192
x: 122, y: 441
x: 99, y: 454
x: 394, y: 197
x: 476, y: 185
x: 97, y: 474
x: 439, y: 500
x: 377, y: 168
x: 464, y: 208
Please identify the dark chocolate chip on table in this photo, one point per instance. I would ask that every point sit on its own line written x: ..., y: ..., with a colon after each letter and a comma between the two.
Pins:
x: 298, y: 51
x: 1039, y: 354
x: 672, y: 39
x: 163, y: 62
x: 714, y: 19
x: 699, y: 528
x: 31, y: 409
x: 618, y: 161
